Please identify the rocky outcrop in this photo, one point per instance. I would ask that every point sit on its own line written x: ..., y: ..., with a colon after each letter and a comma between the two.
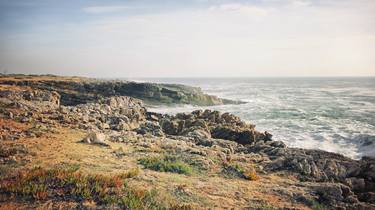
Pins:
x: 34, y: 99
x: 89, y: 90
x: 115, y: 113
x: 101, y: 110
x: 355, y: 177
x: 211, y: 124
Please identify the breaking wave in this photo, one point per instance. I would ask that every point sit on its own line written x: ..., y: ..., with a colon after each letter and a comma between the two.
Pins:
x: 332, y: 114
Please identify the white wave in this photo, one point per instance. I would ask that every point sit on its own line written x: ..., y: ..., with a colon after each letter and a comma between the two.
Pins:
x: 328, y: 114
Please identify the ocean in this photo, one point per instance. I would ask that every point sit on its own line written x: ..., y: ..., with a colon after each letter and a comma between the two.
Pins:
x: 331, y: 114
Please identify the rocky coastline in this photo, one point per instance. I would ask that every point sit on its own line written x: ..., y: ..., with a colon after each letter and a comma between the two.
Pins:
x: 113, y: 115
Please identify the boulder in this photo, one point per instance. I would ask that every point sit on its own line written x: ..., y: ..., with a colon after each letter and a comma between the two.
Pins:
x: 95, y: 138
x: 336, y: 195
x: 169, y: 127
x: 152, y: 128
x: 234, y: 134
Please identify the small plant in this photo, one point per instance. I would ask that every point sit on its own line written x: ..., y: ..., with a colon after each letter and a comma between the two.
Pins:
x: 235, y: 170
x: 130, y: 174
x: 166, y: 164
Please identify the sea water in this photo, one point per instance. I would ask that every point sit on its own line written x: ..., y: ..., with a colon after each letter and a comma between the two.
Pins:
x: 331, y: 114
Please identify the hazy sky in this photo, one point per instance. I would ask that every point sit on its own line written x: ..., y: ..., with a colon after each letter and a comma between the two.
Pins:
x: 195, y: 38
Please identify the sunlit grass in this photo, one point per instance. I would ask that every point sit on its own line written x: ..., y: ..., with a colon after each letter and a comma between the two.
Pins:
x: 69, y: 184
x: 166, y: 164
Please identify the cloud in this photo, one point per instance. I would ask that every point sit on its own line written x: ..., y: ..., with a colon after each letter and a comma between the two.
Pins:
x: 300, y: 3
x: 241, y: 9
x: 104, y: 9
x: 238, y: 39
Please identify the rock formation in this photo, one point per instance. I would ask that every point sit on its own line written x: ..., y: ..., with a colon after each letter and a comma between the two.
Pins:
x: 102, y: 110
x: 84, y: 90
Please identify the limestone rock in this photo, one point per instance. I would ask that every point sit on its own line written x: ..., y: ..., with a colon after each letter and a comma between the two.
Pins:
x: 95, y: 138
x: 152, y: 128
x: 91, y: 90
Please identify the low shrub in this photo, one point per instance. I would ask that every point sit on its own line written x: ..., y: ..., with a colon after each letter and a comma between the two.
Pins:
x: 166, y: 164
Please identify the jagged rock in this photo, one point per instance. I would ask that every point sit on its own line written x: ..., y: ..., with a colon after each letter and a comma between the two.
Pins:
x: 267, y: 136
x: 368, y: 168
x: 336, y: 195
x: 116, y: 113
x: 206, y: 124
x: 357, y: 184
x: 152, y: 128
x: 31, y: 99
x: 169, y: 127
x: 152, y: 116
x: 197, y: 133
x: 234, y: 134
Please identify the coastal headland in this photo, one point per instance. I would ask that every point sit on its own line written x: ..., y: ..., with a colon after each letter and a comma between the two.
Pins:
x: 82, y: 143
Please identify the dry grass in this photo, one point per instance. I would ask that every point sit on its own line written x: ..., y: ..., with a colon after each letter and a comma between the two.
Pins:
x: 209, y: 190
x: 8, y: 124
x: 69, y: 184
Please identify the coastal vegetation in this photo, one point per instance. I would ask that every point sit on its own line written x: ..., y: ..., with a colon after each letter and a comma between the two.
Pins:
x: 111, y: 152
x: 166, y: 164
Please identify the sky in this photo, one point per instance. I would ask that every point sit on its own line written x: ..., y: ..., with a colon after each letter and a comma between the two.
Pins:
x: 191, y: 38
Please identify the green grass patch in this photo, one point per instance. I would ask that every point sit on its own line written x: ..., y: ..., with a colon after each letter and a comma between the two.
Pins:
x: 166, y: 164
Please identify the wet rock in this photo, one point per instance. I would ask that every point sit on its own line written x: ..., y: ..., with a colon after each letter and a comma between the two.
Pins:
x: 267, y: 136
